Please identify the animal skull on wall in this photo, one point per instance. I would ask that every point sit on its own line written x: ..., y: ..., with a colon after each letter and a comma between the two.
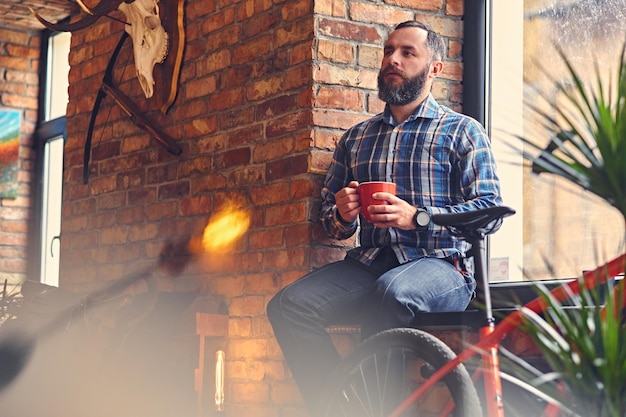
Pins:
x: 150, y: 41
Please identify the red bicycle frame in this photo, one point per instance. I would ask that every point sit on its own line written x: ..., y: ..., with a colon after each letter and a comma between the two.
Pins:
x: 491, y: 335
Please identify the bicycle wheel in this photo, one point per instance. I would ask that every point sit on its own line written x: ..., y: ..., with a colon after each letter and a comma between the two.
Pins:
x: 385, y: 369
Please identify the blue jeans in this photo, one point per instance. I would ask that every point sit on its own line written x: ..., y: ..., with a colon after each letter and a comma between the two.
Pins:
x: 382, y: 296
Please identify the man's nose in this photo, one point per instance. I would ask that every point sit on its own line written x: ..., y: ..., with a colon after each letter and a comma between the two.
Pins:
x: 394, y: 58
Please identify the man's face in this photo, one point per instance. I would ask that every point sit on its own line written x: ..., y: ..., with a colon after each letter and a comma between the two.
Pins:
x: 404, y: 92
x: 405, y: 69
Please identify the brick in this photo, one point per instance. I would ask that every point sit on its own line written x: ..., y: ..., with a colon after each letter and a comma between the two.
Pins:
x: 198, y: 87
x: 285, y: 393
x: 249, y: 392
x: 297, y: 32
x: 251, y: 50
x: 22, y: 51
x: 336, y: 119
x: 334, y: 8
x: 323, y: 256
x: 113, y: 235
x: 13, y: 36
x: 261, y: 23
x: 227, y: 286
x: 173, y: 191
x: 13, y: 239
x: 446, y: 27
x: 326, y: 138
x: 232, y: 158
x: 291, y: 258
x: 287, y: 167
x: 345, y: 76
x: 296, y: 9
x: 301, y: 52
x: 215, y: 21
x: 369, y: 56
x: 15, y: 63
x: 297, y: 77
x: 195, y: 205
x: 162, y: 173
x: 265, y: 283
x: 374, y: 104
x: 226, y: 99
x: 161, y: 211
x: 264, y: 88
x: 246, y: 349
x: 240, y: 326
x: 371, y: 13
x: 350, y: 31
x: 249, y: 305
x: 131, y: 179
x: 194, y: 167
x: 206, y: 183
x: 130, y: 215
x: 455, y: 8
x: 265, y: 239
x: 290, y: 213
x: 248, y: 9
x: 287, y: 123
x: 339, y: 98
x: 452, y: 71
x: 102, y: 185
x: 273, y: 149
x: 241, y: 120
x: 235, y: 76
x: 18, y: 226
x: 298, y: 235
x: 214, y: 62
x: 17, y: 101
x: 455, y: 49
x: 334, y: 51
x: 276, y: 106
x: 200, y: 127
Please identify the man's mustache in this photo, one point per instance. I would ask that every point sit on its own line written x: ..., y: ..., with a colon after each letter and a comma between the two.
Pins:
x: 388, y: 70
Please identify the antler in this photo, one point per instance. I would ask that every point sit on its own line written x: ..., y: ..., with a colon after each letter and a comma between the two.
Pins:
x: 92, y: 14
x: 103, y: 8
x: 65, y: 27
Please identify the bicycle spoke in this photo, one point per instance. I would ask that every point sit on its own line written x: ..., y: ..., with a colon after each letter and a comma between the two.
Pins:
x: 381, y: 375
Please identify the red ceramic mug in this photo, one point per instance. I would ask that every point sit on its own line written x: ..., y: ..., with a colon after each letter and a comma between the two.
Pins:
x: 366, y: 189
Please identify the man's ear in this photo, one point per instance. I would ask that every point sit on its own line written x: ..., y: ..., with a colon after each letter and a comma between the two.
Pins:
x: 436, y: 67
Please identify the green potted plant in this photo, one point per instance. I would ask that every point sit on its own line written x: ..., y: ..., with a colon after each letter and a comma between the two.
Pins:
x: 583, y: 344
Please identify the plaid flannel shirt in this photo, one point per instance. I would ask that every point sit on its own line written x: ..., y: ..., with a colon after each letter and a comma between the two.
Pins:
x: 439, y: 159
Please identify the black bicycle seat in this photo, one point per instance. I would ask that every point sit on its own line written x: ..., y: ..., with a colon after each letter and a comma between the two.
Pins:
x: 473, y: 223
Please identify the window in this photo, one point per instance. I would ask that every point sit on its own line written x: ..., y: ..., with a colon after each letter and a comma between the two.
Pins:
x: 559, y: 230
x: 50, y: 138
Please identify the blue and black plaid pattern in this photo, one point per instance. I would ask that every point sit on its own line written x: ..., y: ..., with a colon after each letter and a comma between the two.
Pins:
x: 438, y: 158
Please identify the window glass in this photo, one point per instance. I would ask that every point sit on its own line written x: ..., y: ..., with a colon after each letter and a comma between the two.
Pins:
x: 50, y: 137
x: 52, y: 184
x: 559, y: 230
x: 57, y: 75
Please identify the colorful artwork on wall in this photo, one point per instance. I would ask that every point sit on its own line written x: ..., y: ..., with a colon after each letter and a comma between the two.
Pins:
x: 9, y: 151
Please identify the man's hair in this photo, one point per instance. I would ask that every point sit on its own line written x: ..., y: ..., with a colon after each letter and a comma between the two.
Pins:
x: 434, y: 41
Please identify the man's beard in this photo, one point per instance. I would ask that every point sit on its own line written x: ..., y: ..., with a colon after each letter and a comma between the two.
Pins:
x: 410, y: 89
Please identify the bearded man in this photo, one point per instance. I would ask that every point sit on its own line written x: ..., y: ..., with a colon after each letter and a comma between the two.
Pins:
x: 441, y: 162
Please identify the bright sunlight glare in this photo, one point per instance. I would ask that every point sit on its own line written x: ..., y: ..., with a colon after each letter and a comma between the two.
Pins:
x: 224, y: 229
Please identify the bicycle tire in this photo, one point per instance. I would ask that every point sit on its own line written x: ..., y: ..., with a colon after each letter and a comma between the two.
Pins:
x: 365, y: 385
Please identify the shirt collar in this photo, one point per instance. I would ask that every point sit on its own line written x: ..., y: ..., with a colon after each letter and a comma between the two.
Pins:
x: 428, y: 109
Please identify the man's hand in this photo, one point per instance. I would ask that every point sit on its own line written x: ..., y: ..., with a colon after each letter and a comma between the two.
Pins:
x: 396, y: 213
x: 348, y: 202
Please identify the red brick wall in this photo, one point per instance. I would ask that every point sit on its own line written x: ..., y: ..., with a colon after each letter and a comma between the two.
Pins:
x: 19, y: 87
x: 266, y: 89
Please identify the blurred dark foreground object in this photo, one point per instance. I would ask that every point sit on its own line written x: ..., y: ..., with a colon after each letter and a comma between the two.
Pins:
x: 120, y: 354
